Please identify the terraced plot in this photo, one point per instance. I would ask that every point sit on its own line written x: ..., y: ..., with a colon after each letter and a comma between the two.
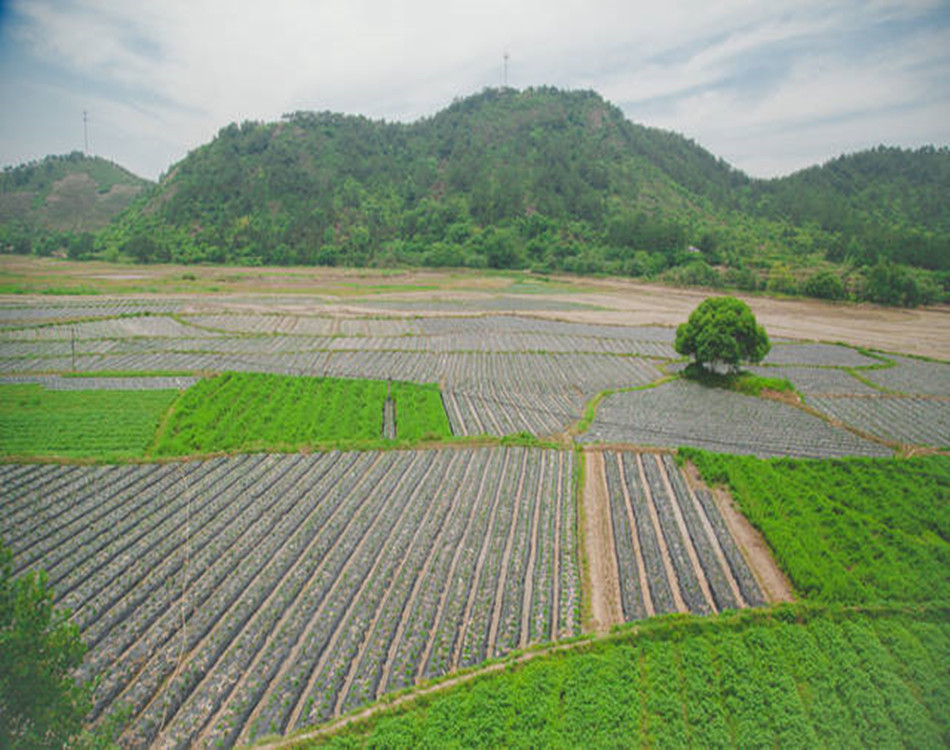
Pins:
x: 825, y: 355
x: 685, y: 413
x: 672, y: 549
x: 913, y: 376
x: 818, y: 380
x: 903, y: 419
x: 230, y: 598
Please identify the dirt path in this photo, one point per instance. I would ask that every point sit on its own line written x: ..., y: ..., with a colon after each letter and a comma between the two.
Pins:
x: 775, y: 586
x: 604, y: 577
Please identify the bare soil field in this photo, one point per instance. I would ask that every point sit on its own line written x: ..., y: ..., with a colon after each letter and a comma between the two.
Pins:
x: 924, y: 331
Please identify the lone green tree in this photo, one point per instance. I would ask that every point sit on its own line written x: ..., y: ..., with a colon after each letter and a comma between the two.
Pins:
x: 41, y: 705
x: 722, y: 331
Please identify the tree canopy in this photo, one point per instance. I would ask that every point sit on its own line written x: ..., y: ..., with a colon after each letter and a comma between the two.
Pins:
x: 722, y: 331
x: 40, y: 703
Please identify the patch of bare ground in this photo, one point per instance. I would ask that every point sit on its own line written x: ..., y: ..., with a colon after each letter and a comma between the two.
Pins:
x: 604, y: 578
x: 774, y: 584
x: 924, y: 331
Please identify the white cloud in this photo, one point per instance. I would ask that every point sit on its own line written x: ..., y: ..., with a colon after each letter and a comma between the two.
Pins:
x: 728, y: 74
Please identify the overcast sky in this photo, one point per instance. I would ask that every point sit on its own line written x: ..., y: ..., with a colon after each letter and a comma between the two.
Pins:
x: 769, y: 86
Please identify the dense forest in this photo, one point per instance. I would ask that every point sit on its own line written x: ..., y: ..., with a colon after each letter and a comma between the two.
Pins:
x: 547, y: 180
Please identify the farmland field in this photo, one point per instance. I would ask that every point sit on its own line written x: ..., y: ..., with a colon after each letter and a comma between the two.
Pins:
x: 320, y: 567
x: 306, y: 585
x: 686, y: 413
x: 35, y: 421
x: 673, y: 550
x: 856, y: 530
x: 803, y: 678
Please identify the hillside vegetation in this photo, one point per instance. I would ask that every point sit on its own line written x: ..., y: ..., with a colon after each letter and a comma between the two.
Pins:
x: 57, y: 203
x: 538, y: 179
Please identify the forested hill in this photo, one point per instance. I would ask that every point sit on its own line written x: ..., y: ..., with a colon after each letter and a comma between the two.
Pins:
x: 62, y: 195
x: 887, y: 200
x: 548, y: 180
x: 538, y: 178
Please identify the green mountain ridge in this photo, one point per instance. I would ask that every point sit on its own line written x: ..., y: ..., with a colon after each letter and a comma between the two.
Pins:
x: 71, y: 194
x: 552, y: 181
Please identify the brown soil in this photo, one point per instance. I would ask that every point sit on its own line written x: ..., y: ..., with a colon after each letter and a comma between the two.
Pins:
x: 606, y: 609
x: 923, y: 331
x: 775, y: 586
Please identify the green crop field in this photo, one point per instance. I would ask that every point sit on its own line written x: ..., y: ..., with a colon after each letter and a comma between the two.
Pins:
x: 793, y: 677
x: 250, y: 411
x: 99, y: 424
x: 850, y: 531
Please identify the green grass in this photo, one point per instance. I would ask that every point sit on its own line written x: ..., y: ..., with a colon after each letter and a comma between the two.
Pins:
x: 420, y: 414
x: 742, y: 382
x: 792, y: 677
x: 38, y: 422
x: 852, y: 530
x: 252, y: 412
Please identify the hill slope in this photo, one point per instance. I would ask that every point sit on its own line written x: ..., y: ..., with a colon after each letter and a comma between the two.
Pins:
x: 541, y: 178
x: 72, y: 193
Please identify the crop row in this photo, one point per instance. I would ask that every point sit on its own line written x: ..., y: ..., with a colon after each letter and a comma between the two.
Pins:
x: 904, y: 419
x: 825, y: 355
x: 685, y: 413
x: 97, y: 338
x: 913, y: 377
x: 230, y: 598
x: 144, y: 383
x: 857, y: 531
x: 818, y: 680
x: 587, y: 372
x: 818, y: 380
x: 500, y: 410
x: 79, y: 308
x: 118, y: 327
x: 673, y: 551
x: 508, y: 324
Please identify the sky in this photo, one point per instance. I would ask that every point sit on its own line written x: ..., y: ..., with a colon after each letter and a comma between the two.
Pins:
x: 771, y: 87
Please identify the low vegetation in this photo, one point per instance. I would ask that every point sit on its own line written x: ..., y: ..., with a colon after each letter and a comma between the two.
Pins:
x: 105, y: 425
x: 792, y: 677
x: 252, y: 412
x: 850, y: 531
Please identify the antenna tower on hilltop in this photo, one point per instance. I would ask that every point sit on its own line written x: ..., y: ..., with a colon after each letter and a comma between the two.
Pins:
x: 85, y: 133
x: 506, y: 68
